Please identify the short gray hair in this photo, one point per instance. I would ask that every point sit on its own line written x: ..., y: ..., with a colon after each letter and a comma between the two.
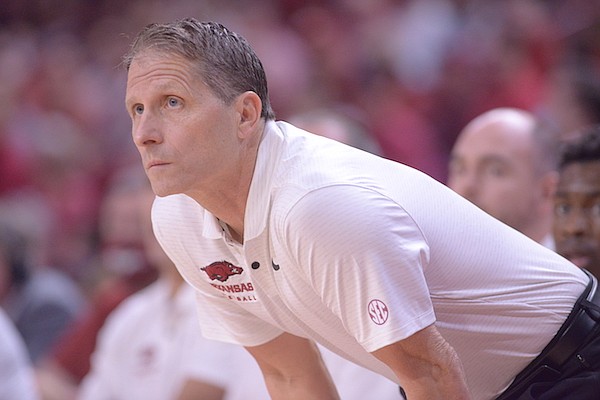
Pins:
x: 226, y: 61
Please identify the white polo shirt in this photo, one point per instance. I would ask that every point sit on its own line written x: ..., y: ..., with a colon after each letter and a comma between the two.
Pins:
x: 17, y: 380
x: 358, y: 252
x: 151, y: 344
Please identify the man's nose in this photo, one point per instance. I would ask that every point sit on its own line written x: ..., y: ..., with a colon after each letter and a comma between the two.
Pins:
x: 577, y: 223
x: 146, y: 130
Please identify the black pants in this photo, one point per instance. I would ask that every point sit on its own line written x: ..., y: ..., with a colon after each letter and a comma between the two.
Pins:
x: 577, y: 378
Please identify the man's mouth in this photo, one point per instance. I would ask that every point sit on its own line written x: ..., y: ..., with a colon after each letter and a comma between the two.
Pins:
x: 153, y: 164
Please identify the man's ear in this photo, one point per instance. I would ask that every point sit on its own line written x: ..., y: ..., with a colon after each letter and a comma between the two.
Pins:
x: 249, y: 108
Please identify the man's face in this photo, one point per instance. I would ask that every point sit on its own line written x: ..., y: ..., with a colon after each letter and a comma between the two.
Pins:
x: 185, y: 134
x: 577, y: 215
x: 493, y: 169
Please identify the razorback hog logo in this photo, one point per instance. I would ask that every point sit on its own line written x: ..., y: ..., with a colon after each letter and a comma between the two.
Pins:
x: 221, y: 270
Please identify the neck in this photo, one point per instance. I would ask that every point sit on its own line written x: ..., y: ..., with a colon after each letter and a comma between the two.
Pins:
x: 227, y: 198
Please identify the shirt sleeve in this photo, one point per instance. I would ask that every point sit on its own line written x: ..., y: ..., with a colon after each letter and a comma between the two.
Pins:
x: 364, y: 256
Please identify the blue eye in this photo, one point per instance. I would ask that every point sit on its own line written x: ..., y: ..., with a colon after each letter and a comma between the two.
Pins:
x: 138, y: 109
x: 173, y: 102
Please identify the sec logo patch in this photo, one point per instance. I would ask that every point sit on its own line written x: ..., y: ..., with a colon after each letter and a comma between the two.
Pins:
x: 378, y: 311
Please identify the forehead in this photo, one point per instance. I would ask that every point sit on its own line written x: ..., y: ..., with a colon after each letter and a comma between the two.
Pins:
x: 581, y: 177
x: 160, y: 68
x: 495, y: 142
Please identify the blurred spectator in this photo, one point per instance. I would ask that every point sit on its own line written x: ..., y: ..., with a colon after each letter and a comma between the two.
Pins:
x: 577, y: 200
x: 417, y: 82
x: 573, y: 90
x: 16, y: 374
x: 574, y: 97
x: 40, y: 300
x: 343, y: 126
x: 504, y: 161
x: 403, y: 130
x: 120, y: 270
x: 420, y: 36
x: 170, y: 360
x: 61, y: 173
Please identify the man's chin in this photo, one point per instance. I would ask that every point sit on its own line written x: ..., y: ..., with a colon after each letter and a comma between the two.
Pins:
x: 162, y: 191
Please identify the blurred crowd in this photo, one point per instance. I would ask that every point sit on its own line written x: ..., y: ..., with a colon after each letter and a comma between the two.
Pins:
x: 411, y: 73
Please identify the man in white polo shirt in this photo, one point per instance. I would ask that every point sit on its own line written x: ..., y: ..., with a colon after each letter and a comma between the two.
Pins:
x: 291, y: 238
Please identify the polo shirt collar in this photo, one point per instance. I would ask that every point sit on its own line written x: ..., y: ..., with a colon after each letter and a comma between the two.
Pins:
x: 268, y: 158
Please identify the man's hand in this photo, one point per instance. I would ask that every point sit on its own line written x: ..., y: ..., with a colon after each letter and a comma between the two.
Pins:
x: 293, y: 369
x: 427, y: 366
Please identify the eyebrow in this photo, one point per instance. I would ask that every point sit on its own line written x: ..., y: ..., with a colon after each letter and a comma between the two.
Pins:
x: 486, y: 159
x: 489, y: 158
